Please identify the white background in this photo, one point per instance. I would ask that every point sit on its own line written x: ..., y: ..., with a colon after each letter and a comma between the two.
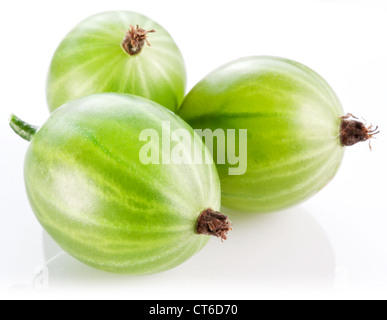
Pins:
x: 333, y: 246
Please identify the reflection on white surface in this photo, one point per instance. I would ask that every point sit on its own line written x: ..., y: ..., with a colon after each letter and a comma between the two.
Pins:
x: 280, y: 249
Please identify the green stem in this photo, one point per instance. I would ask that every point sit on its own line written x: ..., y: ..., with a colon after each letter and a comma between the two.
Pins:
x: 23, y: 129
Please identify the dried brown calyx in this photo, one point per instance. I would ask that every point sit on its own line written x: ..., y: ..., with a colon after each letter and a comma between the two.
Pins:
x: 214, y: 224
x: 353, y: 131
x: 135, y: 40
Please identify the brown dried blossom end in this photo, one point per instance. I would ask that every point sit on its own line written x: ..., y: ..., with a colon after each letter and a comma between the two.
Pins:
x: 354, y: 131
x: 135, y: 40
x: 214, y: 224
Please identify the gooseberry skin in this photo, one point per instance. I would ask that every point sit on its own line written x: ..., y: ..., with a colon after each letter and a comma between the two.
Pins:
x: 95, y: 198
x: 293, y: 120
x: 91, y: 60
